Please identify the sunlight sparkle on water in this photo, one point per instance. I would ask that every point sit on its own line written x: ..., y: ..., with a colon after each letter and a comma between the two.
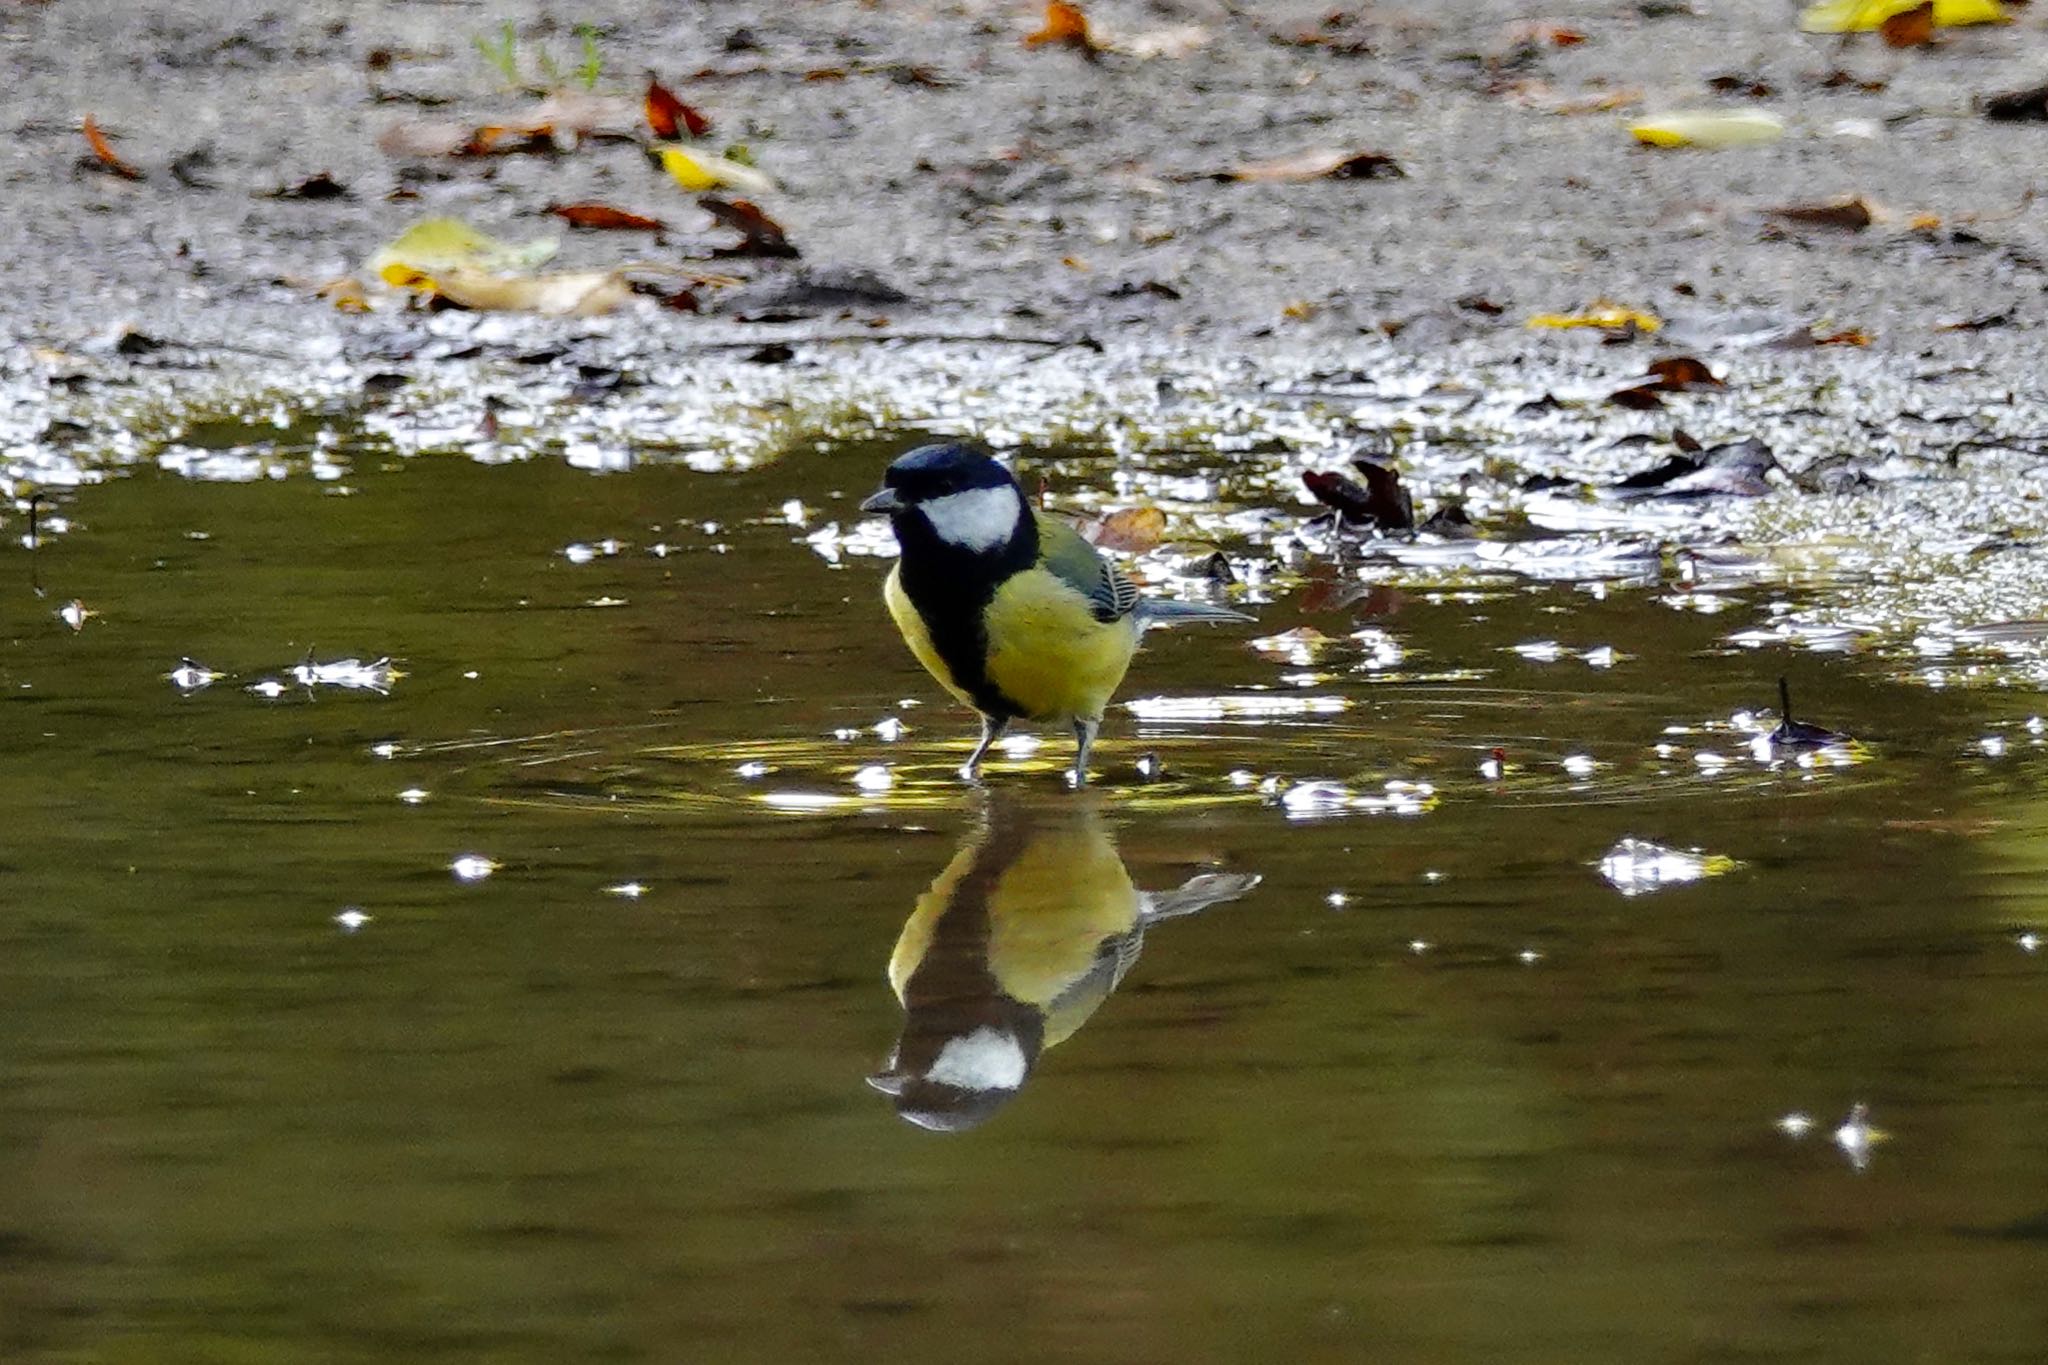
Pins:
x: 352, y: 918
x: 1635, y: 866
x: 472, y: 867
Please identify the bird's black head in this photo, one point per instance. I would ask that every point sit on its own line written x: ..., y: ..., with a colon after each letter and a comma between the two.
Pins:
x: 959, y: 495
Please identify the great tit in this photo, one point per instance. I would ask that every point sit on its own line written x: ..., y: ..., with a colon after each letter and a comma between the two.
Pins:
x: 1025, y: 933
x: 1010, y: 609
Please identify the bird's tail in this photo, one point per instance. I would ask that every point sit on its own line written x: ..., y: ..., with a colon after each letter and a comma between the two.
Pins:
x: 1160, y: 611
x: 1197, y: 894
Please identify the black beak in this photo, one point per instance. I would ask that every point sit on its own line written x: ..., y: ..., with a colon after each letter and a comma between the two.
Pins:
x: 884, y: 500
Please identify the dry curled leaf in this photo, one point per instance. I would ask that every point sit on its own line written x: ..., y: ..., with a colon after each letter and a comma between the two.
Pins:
x: 1065, y: 26
x: 1851, y: 213
x: 668, y: 117
x: 1607, y: 317
x: 1852, y: 336
x: 103, y: 151
x: 1641, y: 397
x: 760, y: 235
x: 1321, y: 163
x: 1134, y: 530
x: 604, y: 218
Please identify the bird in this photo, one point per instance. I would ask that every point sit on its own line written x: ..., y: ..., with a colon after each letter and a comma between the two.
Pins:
x: 1014, y: 946
x: 1008, y: 608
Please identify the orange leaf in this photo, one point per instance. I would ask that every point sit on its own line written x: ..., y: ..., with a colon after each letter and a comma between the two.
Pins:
x: 102, y: 149
x: 1851, y: 337
x: 1133, y: 530
x: 605, y: 218
x: 1910, y: 28
x: 1540, y: 33
x: 666, y: 114
x: 1676, y: 373
x: 1065, y: 26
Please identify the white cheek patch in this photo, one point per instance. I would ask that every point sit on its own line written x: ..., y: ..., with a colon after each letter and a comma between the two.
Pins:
x: 983, y: 1060
x: 979, y: 519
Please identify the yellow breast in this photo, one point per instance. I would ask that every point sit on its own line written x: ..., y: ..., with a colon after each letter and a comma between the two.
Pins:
x: 1049, y: 654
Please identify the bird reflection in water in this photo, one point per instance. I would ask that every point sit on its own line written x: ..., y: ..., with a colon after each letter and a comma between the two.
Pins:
x: 1026, y: 932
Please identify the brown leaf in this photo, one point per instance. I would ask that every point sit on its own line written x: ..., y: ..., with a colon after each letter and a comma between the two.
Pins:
x: 1911, y: 28
x: 1065, y: 26
x: 1849, y: 337
x: 1642, y: 397
x: 104, y: 151
x: 604, y: 218
x: 1677, y: 373
x: 666, y: 114
x: 1851, y: 213
x: 1318, y: 164
x: 1134, y: 530
x: 506, y: 139
x: 760, y: 234
x: 1686, y: 443
x: 1380, y: 501
x: 1542, y: 33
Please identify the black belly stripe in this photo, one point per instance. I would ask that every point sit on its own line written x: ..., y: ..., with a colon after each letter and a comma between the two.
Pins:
x: 951, y: 589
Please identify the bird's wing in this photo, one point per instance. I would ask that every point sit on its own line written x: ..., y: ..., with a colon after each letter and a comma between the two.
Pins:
x: 1067, y: 555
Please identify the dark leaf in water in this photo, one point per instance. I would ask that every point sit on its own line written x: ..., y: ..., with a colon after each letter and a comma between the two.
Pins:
x: 1451, y: 523
x: 318, y: 186
x: 105, y: 158
x: 774, y: 353
x: 1389, y: 503
x: 1479, y: 303
x: 1545, y: 483
x: 667, y: 116
x: 1678, y: 373
x: 2019, y: 106
x: 1644, y: 480
x: 1535, y: 407
x: 1642, y: 397
x: 760, y: 235
x: 189, y: 168
x: 1851, y: 213
x: 1798, y: 734
x: 1131, y: 289
x: 1909, y: 28
x: 1350, y: 498
x: 1734, y: 469
x: 1735, y: 83
x: 604, y: 218
x: 1684, y: 441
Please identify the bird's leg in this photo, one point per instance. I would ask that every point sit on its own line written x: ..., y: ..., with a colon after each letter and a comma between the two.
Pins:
x: 1084, y: 740
x: 992, y: 728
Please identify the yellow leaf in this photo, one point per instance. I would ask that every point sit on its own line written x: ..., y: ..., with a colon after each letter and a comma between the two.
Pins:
x: 697, y: 172
x: 569, y: 293
x: 1863, y: 16
x: 1709, y: 128
x: 439, y: 243
x: 1611, y: 317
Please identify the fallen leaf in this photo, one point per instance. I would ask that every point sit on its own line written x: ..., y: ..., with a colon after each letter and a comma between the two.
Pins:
x: 571, y: 293
x: 1606, y: 316
x: 1065, y: 26
x: 1134, y: 530
x: 1679, y: 373
x: 320, y: 186
x: 666, y: 114
x: 1924, y: 222
x: 1542, y: 33
x: 436, y: 244
x: 1319, y: 164
x: 1851, y: 213
x: 1710, y: 129
x: 1909, y: 28
x: 698, y: 172
x: 604, y: 218
x: 1733, y: 469
x: 106, y: 157
x: 1979, y: 323
x: 760, y: 235
x: 1849, y: 337
x: 1390, y: 504
x: 1543, y: 96
x: 431, y: 138
x: 1864, y: 16
x: 1642, y: 397
x: 2018, y: 106
x: 345, y: 292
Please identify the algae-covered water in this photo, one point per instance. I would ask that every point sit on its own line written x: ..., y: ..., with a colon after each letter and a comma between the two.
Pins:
x: 511, y: 995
